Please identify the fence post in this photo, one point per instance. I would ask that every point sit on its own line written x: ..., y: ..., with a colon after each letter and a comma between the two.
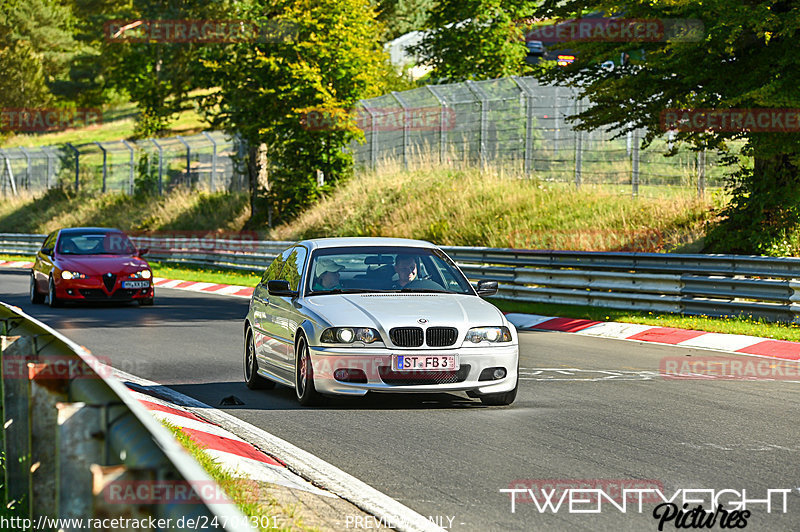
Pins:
x: 556, y: 121
x: 160, y: 166
x: 77, y: 165
x: 635, y: 164
x: 105, y: 166
x: 48, y: 152
x: 477, y: 91
x: 213, y: 159
x: 578, y: 146
x: 373, y: 140
x: 406, y: 120
x: 701, y: 173
x: 27, y: 182
x: 130, y: 166
x: 528, y: 97
x: 442, y: 118
x: 188, y: 159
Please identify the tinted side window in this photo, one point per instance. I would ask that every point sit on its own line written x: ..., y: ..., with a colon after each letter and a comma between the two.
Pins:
x: 49, y: 243
x: 293, y: 270
x: 274, y: 270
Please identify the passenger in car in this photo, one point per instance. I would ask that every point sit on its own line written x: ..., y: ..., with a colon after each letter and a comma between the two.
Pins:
x: 327, y: 275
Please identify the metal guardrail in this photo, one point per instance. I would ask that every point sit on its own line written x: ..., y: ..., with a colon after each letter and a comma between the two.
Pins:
x: 715, y: 285
x: 73, y: 435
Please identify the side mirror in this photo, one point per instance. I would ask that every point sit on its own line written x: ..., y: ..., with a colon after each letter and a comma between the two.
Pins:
x: 144, y: 251
x: 487, y: 288
x: 280, y: 288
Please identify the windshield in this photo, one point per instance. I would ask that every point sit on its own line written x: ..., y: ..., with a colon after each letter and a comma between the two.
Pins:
x: 95, y: 244
x: 384, y: 269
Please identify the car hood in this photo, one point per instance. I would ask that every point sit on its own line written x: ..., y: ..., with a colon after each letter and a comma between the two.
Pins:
x: 101, y: 264
x: 384, y: 311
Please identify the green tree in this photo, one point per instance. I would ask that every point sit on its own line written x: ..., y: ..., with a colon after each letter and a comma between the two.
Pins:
x: 402, y: 16
x: 478, y: 39
x: 328, y: 58
x: 743, y: 57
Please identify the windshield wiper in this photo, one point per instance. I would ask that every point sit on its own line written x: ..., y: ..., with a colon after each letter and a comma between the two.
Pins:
x: 341, y: 291
x: 426, y: 290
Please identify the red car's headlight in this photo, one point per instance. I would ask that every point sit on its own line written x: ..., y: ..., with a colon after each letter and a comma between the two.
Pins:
x: 66, y: 274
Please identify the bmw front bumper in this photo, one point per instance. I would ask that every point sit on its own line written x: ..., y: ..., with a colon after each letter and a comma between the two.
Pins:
x: 376, y: 365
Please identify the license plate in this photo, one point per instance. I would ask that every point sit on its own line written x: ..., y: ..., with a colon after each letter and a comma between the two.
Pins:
x: 135, y: 284
x: 424, y: 362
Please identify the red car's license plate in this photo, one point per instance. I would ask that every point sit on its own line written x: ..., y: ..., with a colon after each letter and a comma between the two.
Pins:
x: 135, y: 284
x: 424, y: 362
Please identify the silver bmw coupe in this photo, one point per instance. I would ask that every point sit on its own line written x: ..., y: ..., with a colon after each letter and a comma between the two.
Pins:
x: 347, y: 316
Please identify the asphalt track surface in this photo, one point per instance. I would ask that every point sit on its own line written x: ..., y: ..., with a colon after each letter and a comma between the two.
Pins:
x: 446, y: 455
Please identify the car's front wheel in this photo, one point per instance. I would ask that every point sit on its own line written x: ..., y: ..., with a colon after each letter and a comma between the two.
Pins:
x: 500, y: 399
x: 36, y: 297
x: 146, y: 302
x: 51, y: 294
x: 253, y: 380
x: 304, y: 375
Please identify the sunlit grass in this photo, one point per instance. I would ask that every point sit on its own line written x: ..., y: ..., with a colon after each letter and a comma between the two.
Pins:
x: 243, y: 492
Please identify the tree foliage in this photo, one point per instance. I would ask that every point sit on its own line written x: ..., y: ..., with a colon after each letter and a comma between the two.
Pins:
x: 327, y: 60
x: 744, y: 57
x: 478, y: 39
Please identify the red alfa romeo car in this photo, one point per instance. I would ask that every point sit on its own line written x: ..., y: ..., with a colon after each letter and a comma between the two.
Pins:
x: 90, y: 264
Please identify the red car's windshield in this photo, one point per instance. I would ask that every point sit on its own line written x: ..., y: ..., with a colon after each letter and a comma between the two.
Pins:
x: 95, y: 244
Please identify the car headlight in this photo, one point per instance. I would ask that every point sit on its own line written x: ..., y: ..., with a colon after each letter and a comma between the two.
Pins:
x: 348, y: 335
x: 72, y: 275
x: 477, y: 335
x: 144, y: 274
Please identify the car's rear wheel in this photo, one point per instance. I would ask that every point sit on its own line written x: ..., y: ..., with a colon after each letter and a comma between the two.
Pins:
x: 500, y: 399
x: 36, y: 297
x: 51, y: 294
x: 253, y: 380
x: 304, y: 375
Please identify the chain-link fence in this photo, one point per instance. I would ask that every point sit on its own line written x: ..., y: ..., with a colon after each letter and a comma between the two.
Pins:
x: 516, y: 124
x: 511, y: 123
x: 206, y: 160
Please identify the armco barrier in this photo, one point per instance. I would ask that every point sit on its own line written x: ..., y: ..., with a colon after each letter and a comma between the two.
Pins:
x: 70, y: 431
x: 715, y: 285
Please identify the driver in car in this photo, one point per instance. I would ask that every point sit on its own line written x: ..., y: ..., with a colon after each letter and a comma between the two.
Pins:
x: 327, y: 275
x: 405, y: 267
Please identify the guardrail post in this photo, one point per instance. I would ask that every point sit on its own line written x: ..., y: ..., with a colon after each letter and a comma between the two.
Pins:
x: 77, y: 165
x: 48, y: 382
x: 130, y: 167
x: 213, y: 159
x: 701, y: 173
x: 105, y: 163
x: 635, y: 164
x: 406, y: 120
x: 79, y: 444
x: 15, y: 353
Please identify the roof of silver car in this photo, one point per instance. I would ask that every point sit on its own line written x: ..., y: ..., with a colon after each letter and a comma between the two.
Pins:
x: 365, y: 241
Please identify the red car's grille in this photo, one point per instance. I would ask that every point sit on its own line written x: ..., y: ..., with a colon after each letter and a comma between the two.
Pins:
x: 109, y: 280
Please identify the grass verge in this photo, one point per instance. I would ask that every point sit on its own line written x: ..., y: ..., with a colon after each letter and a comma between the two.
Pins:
x: 185, y: 272
x: 730, y: 325
x: 243, y: 492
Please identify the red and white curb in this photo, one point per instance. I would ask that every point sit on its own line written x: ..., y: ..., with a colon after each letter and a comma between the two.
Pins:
x: 206, y: 288
x: 15, y: 264
x: 230, y: 451
x: 734, y: 343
